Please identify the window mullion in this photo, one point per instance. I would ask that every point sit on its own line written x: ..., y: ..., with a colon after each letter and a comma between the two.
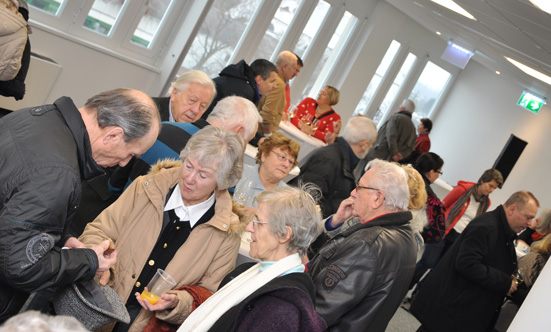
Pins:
x: 295, y: 29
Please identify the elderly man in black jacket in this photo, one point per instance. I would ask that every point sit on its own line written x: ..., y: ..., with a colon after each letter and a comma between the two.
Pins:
x: 330, y: 167
x: 46, y: 152
x: 363, y: 271
x: 466, y: 289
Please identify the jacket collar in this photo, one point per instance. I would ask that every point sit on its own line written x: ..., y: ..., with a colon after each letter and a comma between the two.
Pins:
x: 346, y: 156
x: 406, y: 113
x: 385, y: 220
x: 87, y: 165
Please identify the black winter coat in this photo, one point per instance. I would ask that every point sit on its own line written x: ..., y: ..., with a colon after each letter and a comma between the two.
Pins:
x: 329, y: 168
x: 44, y: 154
x: 465, y: 290
x: 235, y: 80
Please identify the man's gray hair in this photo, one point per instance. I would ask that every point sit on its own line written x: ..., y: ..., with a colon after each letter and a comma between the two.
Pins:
x: 220, y: 150
x: 296, y: 208
x: 360, y: 128
x: 234, y: 111
x: 408, y: 105
x: 131, y: 110
x: 38, y: 322
x: 194, y: 76
x: 286, y: 57
x: 393, y: 181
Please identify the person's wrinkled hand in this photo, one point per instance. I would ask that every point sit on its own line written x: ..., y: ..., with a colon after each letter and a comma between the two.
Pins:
x: 337, y: 126
x: 166, y: 301
x: 104, y: 278
x: 74, y: 243
x: 344, y: 212
x: 330, y: 137
x: 104, y: 261
x: 397, y: 157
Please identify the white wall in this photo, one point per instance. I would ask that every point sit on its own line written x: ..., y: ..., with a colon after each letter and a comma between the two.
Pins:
x: 476, y: 121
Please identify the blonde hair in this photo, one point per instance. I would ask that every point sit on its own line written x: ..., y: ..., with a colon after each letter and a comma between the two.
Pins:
x: 417, y: 192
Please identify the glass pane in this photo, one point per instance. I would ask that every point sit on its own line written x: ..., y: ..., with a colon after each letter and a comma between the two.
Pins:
x: 337, y: 42
x: 279, y: 24
x: 220, y: 32
x: 150, y: 22
x: 378, y: 77
x: 428, y: 89
x: 103, y: 15
x: 49, y: 6
x: 312, y: 27
x: 395, y: 88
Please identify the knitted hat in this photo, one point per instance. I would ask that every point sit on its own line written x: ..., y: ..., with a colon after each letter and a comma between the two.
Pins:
x: 91, y: 304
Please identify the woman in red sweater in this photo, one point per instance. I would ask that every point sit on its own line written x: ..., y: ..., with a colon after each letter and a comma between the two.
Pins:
x: 317, y: 117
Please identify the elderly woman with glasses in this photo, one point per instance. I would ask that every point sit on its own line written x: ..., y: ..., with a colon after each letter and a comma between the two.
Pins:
x: 179, y: 218
x: 274, y: 294
x: 276, y: 156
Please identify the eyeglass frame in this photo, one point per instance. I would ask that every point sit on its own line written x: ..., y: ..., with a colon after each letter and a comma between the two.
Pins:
x: 364, y: 187
x: 283, y: 157
x: 256, y: 222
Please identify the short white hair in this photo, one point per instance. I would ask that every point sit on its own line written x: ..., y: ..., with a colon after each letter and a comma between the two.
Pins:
x: 234, y: 111
x: 38, y: 322
x: 358, y: 129
x: 392, y: 180
x: 408, y: 105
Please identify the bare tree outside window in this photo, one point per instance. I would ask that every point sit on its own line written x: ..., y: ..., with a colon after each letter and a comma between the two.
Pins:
x: 218, y: 35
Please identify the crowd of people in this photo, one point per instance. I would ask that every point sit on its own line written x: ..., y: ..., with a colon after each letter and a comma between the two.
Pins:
x: 108, y: 194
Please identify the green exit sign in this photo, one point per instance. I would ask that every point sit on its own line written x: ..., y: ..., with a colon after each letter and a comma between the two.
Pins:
x: 530, y: 102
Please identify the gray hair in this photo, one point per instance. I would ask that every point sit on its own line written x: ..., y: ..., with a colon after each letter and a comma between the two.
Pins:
x: 234, y: 111
x: 194, y: 76
x: 129, y: 109
x: 408, y: 105
x: 358, y: 129
x: 220, y: 150
x: 544, y: 222
x: 286, y: 57
x: 393, y: 181
x: 296, y: 208
x: 38, y: 322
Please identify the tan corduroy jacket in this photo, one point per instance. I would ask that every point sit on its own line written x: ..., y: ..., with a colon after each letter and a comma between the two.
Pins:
x: 134, y: 223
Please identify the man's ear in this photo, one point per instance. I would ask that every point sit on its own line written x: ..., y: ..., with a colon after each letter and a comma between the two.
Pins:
x: 258, y: 79
x: 113, y: 135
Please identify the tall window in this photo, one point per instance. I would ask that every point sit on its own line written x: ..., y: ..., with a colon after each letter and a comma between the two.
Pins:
x: 428, y: 89
x: 103, y: 15
x: 150, y: 22
x: 330, y: 54
x: 395, y: 87
x: 279, y: 24
x: 312, y: 27
x: 49, y: 6
x: 218, y: 35
x: 376, y: 80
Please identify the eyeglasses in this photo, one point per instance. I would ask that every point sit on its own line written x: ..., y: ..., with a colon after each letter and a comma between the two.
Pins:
x: 256, y: 222
x: 283, y: 157
x: 364, y: 187
x: 440, y: 172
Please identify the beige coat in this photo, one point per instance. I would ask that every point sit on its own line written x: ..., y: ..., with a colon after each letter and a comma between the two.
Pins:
x: 271, y: 107
x: 134, y: 223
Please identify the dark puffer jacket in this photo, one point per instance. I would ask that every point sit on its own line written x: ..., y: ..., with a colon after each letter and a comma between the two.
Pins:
x: 363, y: 271
x: 44, y: 155
x: 234, y: 80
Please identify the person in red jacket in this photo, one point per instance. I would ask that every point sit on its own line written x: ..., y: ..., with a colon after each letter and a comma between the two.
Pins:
x: 467, y: 201
x: 317, y: 117
x: 422, y: 142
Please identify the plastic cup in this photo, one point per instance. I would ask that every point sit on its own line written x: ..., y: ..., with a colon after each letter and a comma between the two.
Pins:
x: 161, y: 283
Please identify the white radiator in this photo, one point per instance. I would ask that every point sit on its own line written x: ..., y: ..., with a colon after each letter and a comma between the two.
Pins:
x: 43, y: 73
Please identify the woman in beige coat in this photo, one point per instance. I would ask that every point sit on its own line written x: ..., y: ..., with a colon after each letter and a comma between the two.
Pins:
x: 179, y: 218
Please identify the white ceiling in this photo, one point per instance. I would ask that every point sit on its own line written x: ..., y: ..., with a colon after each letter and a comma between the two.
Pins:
x: 512, y: 28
